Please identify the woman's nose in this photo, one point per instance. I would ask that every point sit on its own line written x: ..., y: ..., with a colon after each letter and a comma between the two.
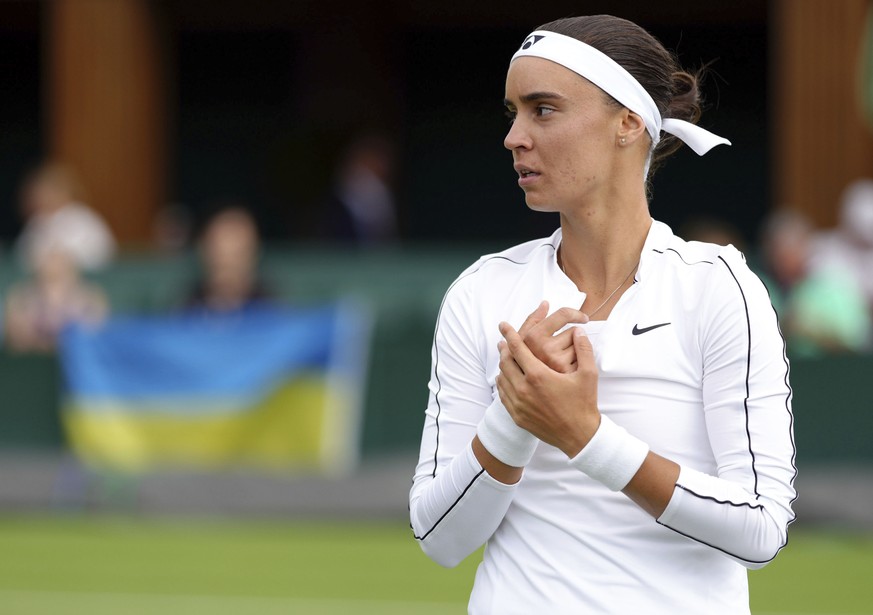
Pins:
x: 517, y: 137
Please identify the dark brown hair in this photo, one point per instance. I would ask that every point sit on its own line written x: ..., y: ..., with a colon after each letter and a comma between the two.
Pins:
x: 674, y: 90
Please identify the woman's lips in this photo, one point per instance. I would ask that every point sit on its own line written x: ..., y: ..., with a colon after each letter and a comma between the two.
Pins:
x: 526, y: 175
x: 528, y: 178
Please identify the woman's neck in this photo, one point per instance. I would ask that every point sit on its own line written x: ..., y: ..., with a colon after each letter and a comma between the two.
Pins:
x: 599, y: 246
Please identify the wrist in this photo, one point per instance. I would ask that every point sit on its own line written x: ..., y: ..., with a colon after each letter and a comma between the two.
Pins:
x: 612, y: 456
x: 574, y: 442
x: 503, y: 439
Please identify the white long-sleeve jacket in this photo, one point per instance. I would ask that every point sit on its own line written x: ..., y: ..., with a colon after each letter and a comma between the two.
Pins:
x: 692, y: 362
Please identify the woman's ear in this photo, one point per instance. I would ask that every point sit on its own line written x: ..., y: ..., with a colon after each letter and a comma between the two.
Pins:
x: 631, y: 127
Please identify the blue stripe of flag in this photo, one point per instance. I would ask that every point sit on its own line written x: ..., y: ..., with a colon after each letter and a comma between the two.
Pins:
x: 192, y: 355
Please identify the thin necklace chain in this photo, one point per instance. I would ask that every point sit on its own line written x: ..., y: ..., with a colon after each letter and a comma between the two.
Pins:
x: 599, y: 307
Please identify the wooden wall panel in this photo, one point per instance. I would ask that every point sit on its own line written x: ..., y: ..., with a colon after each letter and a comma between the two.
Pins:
x: 821, y: 143
x: 106, y: 108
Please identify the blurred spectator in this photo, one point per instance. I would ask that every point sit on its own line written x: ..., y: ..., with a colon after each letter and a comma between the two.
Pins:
x: 55, y: 219
x: 361, y: 208
x: 849, y: 247
x: 712, y: 230
x: 38, y: 309
x: 229, y: 253
x: 821, y: 310
x: 172, y: 229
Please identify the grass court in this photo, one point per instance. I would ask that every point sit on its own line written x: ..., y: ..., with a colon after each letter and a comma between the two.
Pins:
x: 81, y: 565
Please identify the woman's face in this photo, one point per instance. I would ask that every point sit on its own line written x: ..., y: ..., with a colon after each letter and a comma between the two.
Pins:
x: 563, y: 136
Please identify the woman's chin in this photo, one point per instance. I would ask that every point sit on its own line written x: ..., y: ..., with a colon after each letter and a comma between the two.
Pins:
x: 538, y: 204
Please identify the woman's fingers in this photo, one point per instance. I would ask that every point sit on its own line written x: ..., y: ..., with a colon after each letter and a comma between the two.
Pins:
x: 525, y: 359
x: 544, y: 341
x: 534, y: 318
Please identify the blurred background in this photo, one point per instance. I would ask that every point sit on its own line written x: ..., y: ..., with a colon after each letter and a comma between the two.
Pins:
x: 225, y: 230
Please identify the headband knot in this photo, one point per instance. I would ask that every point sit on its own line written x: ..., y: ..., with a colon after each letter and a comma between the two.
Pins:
x: 612, y: 78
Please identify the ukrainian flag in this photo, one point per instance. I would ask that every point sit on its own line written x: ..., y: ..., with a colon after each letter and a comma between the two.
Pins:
x: 265, y: 387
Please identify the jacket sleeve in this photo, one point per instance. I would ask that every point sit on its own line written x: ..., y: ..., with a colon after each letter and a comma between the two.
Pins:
x: 454, y: 505
x: 743, y: 511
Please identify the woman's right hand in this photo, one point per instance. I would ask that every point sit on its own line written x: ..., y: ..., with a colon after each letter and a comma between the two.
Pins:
x: 538, y: 333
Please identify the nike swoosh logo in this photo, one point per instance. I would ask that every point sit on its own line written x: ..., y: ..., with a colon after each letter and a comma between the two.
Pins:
x: 638, y: 331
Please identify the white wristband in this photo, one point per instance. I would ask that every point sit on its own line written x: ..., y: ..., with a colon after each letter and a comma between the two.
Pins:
x: 501, y: 437
x: 612, y: 456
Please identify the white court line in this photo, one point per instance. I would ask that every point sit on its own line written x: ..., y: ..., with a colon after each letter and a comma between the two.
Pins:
x: 64, y: 602
x: 94, y: 603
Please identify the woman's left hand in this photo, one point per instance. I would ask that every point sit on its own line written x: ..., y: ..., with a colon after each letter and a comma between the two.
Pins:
x: 558, y: 408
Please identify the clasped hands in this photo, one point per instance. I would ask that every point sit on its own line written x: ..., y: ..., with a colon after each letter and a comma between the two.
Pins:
x: 548, y: 382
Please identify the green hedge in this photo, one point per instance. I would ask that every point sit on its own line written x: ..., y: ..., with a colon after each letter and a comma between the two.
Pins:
x: 832, y: 402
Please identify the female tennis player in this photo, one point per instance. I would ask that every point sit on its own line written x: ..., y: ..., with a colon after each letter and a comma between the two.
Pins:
x: 609, y: 407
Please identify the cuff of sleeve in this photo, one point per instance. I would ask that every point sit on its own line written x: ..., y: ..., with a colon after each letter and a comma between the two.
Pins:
x: 501, y: 437
x: 612, y: 456
x: 492, y: 482
x: 675, y: 504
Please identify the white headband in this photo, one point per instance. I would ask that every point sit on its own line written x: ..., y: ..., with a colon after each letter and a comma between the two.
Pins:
x: 612, y: 78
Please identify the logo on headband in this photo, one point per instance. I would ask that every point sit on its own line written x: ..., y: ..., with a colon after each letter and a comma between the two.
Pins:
x: 531, y: 40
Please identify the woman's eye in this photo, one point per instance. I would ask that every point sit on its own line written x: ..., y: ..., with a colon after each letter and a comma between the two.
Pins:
x: 543, y: 111
x: 510, y: 115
